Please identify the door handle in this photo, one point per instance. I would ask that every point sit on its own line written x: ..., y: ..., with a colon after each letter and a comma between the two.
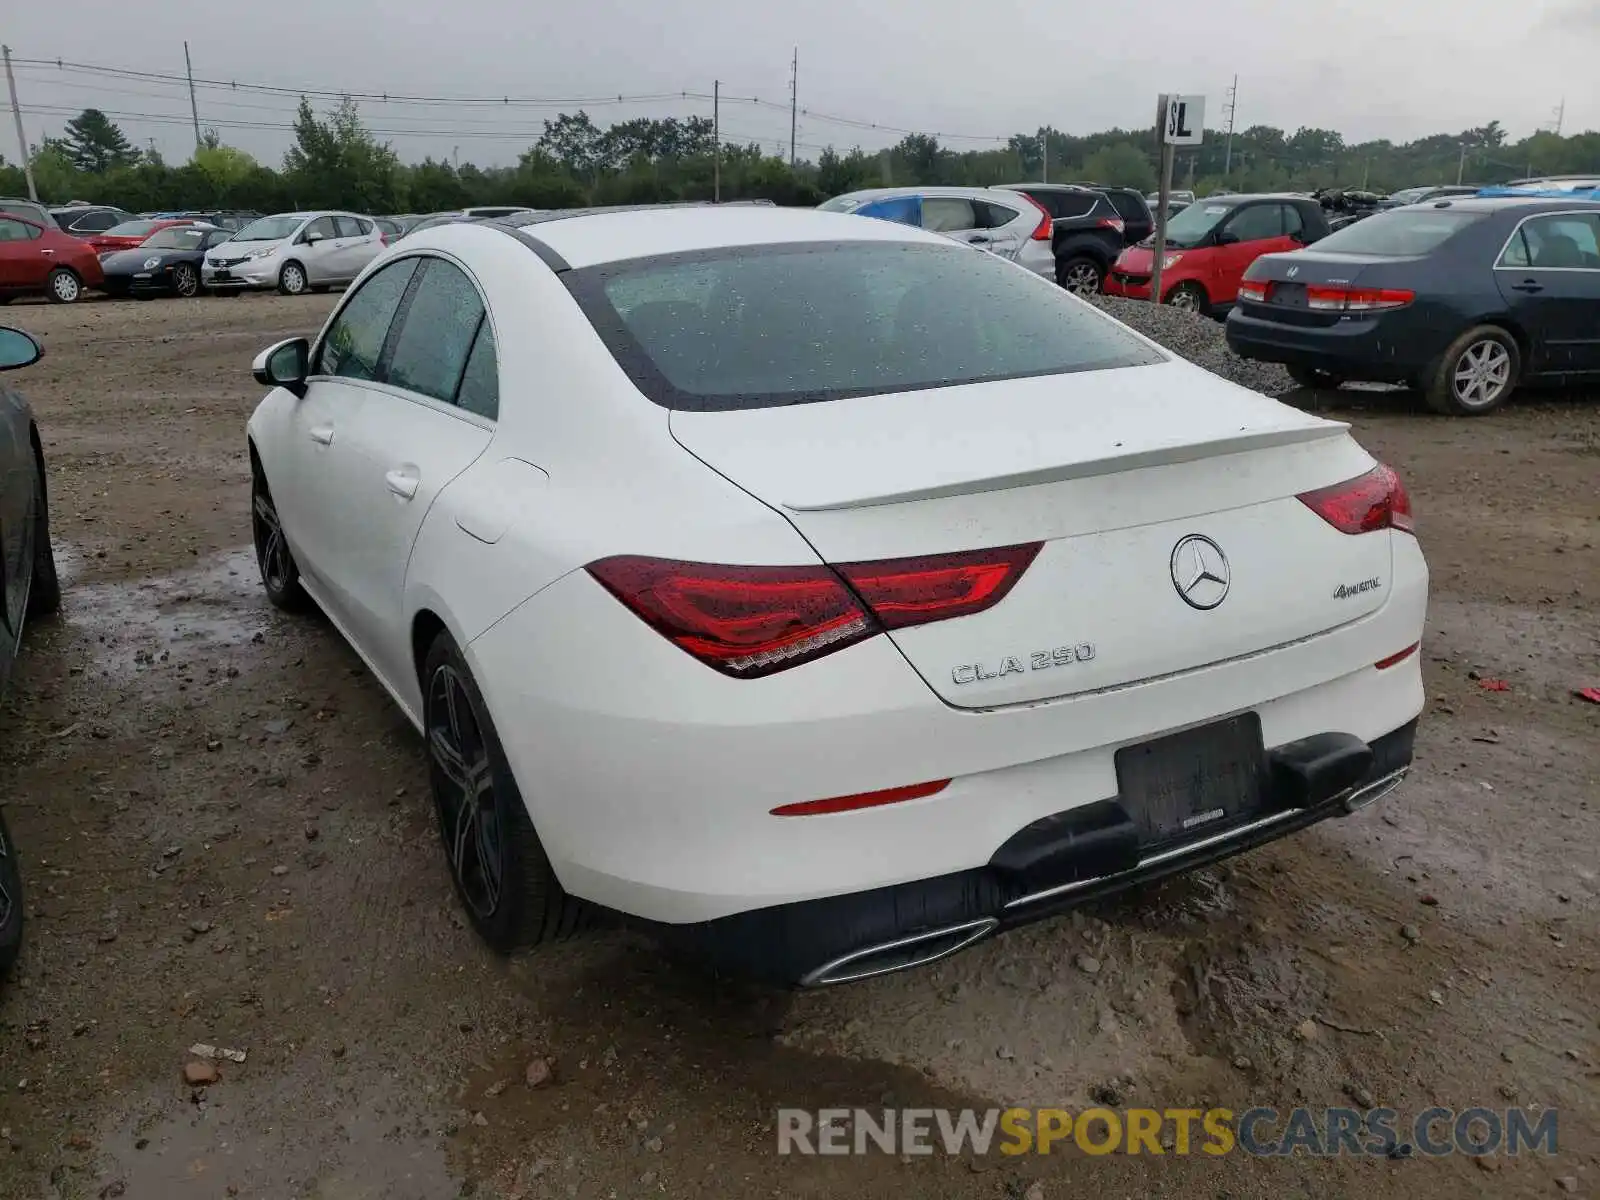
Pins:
x: 46, y: 250
x: 322, y: 435
x: 979, y: 240
x: 1527, y: 285
x: 402, y: 481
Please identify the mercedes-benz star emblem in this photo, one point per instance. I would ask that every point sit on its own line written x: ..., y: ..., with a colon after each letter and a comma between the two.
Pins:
x: 1200, y: 571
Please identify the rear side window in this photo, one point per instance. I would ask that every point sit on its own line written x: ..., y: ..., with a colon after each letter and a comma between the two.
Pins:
x: 437, y: 332
x: 480, y: 383
x: 761, y: 326
x: 346, y: 227
x: 1068, y: 204
x: 1400, y: 233
x: 1129, y: 208
x: 17, y: 231
x: 354, y: 341
x: 995, y: 216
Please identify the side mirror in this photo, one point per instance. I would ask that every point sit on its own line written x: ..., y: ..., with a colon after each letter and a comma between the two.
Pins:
x: 18, y: 349
x: 284, y: 365
x: 310, y: 239
x: 1299, y: 235
x: 1226, y: 238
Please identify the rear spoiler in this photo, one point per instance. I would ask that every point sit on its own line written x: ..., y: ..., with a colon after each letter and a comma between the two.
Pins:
x: 1541, y: 193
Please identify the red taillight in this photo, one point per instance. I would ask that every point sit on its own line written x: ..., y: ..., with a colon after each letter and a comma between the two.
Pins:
x: 1251, y: 289
x: 748, y: 621
x: 1376, y: 500
x: 1045, y: 229
x: 1334, y: 298
x: 744, y: 621
x: 914, y: 591
x: 1383, y: 664
x: 837, y: 804
x: 1116, y: 223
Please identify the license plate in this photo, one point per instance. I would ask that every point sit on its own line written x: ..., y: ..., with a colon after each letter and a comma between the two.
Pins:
x: 222, y: 275
x: 1290, y: 295
x: 1188, y: 783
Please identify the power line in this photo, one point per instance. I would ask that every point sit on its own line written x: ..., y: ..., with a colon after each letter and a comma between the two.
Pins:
x: 504, y: 101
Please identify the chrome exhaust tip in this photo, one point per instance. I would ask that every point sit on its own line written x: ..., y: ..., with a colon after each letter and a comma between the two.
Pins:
x: 901, y: 954
x: 1369, y: 794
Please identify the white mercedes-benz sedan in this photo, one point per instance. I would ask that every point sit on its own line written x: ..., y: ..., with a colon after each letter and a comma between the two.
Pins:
x: 821, y: 593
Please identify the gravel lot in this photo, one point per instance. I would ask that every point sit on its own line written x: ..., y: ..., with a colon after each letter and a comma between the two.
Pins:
x: 226, y: 836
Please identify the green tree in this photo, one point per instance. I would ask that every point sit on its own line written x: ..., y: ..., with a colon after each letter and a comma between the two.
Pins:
x: 225, y: 166
x: 95, y: 144
x: 337, y: 162
x: 1122, y: 165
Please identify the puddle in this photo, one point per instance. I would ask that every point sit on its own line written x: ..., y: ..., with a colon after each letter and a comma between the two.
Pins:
x: 180, y: 620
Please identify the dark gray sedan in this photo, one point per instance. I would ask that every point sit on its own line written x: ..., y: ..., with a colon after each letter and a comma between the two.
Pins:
x: 28, y: 584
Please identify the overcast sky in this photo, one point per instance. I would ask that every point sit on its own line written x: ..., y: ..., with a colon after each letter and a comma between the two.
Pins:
x: 1369, y: 68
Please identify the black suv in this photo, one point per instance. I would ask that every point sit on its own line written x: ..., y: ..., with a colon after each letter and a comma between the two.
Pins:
x: 1132, y: 207
x: 1086, y: 232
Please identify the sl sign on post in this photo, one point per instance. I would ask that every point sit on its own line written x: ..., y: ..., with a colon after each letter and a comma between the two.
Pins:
x: 1186, y: 121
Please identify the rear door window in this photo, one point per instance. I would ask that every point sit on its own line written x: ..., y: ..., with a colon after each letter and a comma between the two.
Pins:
x: 436, y: 333
x: 948, y: 214
x: 322, y: 227
x: 1561, y: 241
x: 346, y: 227
x: 354, y: 340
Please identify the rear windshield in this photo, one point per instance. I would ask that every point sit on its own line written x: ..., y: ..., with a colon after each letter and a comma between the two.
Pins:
x: 1400, y: 233
x: 762, y: 326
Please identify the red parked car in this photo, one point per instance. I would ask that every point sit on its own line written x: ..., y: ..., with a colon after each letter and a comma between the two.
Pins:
x: 130, y: 234
x: 41, y: 260
x: 1210, y: 245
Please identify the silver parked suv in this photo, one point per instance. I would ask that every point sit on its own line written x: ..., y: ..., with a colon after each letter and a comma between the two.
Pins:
x: 293, y: 252
x: 1005, y: 223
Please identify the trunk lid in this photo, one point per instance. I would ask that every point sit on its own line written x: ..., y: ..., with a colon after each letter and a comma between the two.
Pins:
x: 1111, y: 471
x: 1289, y: 275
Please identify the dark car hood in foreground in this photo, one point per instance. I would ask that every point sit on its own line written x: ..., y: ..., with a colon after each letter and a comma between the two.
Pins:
x: 130, y: 262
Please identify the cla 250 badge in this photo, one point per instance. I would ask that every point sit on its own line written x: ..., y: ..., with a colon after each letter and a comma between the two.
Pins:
x: 1039, y: 660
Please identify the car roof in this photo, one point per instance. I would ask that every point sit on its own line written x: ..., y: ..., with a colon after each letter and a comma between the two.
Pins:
x: 879, y: 193
x: 585, y: 239
x: 1494, y: 204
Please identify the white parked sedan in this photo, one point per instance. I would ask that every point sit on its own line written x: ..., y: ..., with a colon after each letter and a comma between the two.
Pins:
x: 824, y: 594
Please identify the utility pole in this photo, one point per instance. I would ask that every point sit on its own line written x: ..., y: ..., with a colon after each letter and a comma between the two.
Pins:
x: 194, y: 109
x: 1561, y: 115
x: 1233, y: 104
x: 1044, y: 155
x: 22, y: 138
x: 794, y: 101
x: 716, y: 142
x: 1461, y: 166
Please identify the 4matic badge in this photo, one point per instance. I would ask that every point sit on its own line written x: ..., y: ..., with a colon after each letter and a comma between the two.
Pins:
x: 1012, y: 664
x: 1345, y: 590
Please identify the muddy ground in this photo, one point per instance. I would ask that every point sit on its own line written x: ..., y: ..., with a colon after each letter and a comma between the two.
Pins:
x: 226, y: 839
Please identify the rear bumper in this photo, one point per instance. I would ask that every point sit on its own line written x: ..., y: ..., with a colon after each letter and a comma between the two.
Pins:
x: 1368, y: 349
x: 651, y: 779
x: 1051, y: 866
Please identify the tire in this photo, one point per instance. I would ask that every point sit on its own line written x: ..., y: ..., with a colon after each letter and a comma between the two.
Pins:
x: 226, y: 293
x: 1476, y: 375
x: 280, y: 577
x: 322, y: 289
x: 500, y: 870
x: 292, y: 279
x: 44, y: 589
x: 1310, y: 377
x: 1080, y: 275
x: 63, y: 286
x: 10, y: 901
x: 185, y: 280
x: 1189, y: 297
